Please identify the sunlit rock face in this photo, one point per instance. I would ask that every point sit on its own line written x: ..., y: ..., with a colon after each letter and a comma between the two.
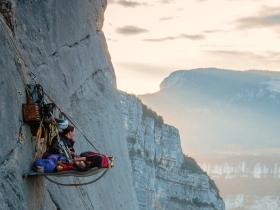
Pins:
x: 246, y: 182
x: 163, y: 178
x: 62, y: 43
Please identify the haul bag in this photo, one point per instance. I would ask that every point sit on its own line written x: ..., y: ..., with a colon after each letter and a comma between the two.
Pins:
x: 31, y: 112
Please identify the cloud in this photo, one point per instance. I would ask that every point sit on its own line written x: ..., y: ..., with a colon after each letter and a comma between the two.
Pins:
x: 161, y: 39
x: 242, y: 60
x: 214, y: 31
x: 273, y: 55
x: 179, y: 9
x: 165, y: 18
x: 130, y: 30
x: 267, y: 17
x: 265, y: 56
x: 145, y: 69
x: 229, y: 52
x: 113, y: 40
x: 258, y: 22
x: 216, y: 46
x: 234, y: 53
x: 130, y: 3
x: 168, y: 18
x: 193, y: 37
x: 166, y: 1
x: 182, y: 36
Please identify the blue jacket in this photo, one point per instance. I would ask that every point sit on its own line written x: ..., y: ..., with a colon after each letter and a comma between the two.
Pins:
x: 48, y: 165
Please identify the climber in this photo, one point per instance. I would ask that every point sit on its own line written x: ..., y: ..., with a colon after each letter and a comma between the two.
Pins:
x: 66, y: 141
x: 56, y: 163
x: 76, y: 165
x: 93, y: 159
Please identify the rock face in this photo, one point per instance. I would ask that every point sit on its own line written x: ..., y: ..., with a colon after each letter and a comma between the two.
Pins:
x: 163, y: 177
x: 63, y: 45
x: 246, y: 182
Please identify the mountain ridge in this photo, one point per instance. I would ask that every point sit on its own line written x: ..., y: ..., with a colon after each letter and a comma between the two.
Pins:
x: 214, y: 98
x: 228, y: 121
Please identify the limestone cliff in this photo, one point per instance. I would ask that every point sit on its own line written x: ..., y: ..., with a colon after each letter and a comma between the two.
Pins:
x: 163, y: 177
x: 62, y: 43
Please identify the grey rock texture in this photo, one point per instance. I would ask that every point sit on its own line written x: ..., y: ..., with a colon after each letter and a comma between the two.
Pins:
x: 163, y: 177
x: 63, y: 44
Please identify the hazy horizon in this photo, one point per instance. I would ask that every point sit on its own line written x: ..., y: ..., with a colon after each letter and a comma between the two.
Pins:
x: 220, y: 112
x: 148, y: 40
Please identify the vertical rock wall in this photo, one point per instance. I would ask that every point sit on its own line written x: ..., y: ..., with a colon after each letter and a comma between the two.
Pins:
x: 163, y: 177
x: 63, y: 45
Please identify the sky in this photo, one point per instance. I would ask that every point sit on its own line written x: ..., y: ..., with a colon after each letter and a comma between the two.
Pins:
x: 150, y: 39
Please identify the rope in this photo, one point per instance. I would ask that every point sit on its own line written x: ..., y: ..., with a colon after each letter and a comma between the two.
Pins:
x: 14, y: 48
x: 76, y: 125
x: 76, y: 185
x: 9, y: 35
